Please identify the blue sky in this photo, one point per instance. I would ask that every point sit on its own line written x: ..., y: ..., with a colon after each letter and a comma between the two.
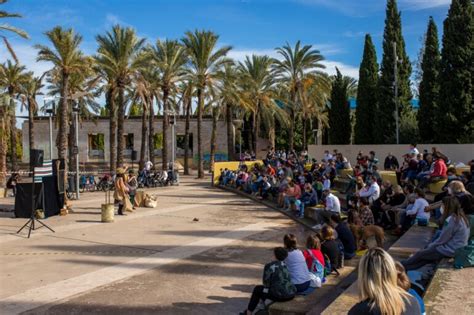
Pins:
x: 335, y: 27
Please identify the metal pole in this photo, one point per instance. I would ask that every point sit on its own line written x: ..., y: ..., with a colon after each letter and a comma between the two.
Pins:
x: 50, y: 136
x: 173, y: 135
x: 77, y: 155
x: 395, y: 84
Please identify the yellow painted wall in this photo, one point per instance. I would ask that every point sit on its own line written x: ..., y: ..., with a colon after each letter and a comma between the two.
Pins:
x: 234, y: 165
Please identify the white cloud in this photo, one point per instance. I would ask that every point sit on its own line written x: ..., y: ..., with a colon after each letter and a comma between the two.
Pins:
x: 349, y: 70
x: 26, y: 56
x: 367, y: 7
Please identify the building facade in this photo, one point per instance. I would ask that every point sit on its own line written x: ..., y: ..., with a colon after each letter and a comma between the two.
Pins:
x: 94, y: 139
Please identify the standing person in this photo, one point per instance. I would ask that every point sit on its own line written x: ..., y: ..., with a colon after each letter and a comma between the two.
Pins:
x: 121, y: 190
x: 277, y: 284
x: 379, y: 292
x: 296, y: 264
x: 147, y: 167
x: 132, y: 185
x: 391, y: 162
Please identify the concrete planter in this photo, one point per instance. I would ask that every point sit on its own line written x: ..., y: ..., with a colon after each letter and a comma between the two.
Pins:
x: 108, y: 212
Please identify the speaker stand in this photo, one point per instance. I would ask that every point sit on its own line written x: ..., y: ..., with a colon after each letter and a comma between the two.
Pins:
x: 31, y: 221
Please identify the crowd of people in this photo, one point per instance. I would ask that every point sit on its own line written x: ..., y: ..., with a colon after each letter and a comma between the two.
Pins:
x: 294, y: 182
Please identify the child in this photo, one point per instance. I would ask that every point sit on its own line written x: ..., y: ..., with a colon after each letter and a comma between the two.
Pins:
x: 314, y: 257
x: 330, y: 248
x: 277, y: 284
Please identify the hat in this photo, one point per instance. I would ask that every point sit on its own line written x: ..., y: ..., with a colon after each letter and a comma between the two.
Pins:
x: 120, y: 170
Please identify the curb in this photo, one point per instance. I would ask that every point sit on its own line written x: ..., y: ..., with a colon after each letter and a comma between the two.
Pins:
x: 270, y: 205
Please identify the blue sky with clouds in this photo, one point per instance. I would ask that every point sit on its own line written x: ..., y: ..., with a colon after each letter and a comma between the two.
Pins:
x: 335, y: 27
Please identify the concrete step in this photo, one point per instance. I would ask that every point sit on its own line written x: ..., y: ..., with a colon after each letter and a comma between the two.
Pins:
x: 413, y: 240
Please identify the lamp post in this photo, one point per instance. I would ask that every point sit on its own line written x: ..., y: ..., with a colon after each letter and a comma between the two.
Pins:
x: 50, y: 112
x: 75, y: 109
x: 173, y: 142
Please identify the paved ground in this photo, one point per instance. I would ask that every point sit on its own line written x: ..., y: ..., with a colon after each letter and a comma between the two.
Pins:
x: 156, y: 261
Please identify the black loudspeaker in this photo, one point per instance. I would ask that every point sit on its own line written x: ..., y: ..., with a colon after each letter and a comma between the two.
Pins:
x: 134, y: 155
x: 36, y: 158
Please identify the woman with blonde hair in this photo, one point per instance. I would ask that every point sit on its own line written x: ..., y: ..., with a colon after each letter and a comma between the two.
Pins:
x: 378, y: 289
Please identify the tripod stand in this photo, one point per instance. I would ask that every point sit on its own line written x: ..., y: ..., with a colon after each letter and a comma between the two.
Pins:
x: 31, y: 221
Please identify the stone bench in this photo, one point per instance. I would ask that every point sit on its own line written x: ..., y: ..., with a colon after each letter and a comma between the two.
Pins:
x: 437, y: 187
x: 319, y: 298
x: 450, y: 291
x: 413, y: 240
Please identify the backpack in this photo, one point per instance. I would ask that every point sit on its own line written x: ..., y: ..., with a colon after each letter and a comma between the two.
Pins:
x: 464, y: 256
x: 316, y: 266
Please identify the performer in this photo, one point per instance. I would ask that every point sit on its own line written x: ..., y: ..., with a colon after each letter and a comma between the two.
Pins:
x: 121, y: 190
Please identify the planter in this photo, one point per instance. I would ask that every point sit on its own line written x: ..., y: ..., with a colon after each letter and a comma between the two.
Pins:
x: 108, y: 212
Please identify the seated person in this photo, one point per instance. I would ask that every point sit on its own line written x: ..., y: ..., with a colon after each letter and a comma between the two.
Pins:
x: 345, y: 235
x: 314, y: 257
x: 404, y: 282
x: 454, y: 235
x: 365, y: 213
x: 308, y: 199
x: 277, y: 284
x: 296, y: 263
x: 332, y: 206
x: 292, y: 193
x: 378, y: 289
x: 372, y: 193
x: 11, y: 183
x: 439, y: 172
x: 416, y: 212
x: 330, y: 248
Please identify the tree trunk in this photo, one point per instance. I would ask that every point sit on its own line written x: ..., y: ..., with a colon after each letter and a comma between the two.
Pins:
x: 215, y: 114
x: 230, y: 133
x: 61, y: 141
x: 271, y: 133
x: 144, y: 138
x: 72, y: 141
x: 31, y: 125
x: 3, y: 146
x: 305, y: 126
x: 13, y: 150
x: 151, y: 133
x: 164, y: 151
x: 200, y: 108
x: 186, y: 136
x: 120, y: 127
x: 112, y: 130
x: 256, y: 129
x: 292, y: 120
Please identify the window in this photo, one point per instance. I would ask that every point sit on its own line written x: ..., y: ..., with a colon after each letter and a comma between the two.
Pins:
x: 180, y: 144
x: 158, y: 141
x: 96, y: 145
x: 128, y: 138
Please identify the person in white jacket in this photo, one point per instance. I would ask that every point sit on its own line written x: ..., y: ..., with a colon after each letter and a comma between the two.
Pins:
x: 372, y: 190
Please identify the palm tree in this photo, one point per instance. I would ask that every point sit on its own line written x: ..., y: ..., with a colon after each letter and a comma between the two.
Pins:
x: 8, y: 28
x: 118, y: 54
x: 257, y: 90
x: 4, y: 122
x: 67, y: 59
x: 30, y: 89
x: 205, y: 62
x: 314, y: 95
x: 187, y: 99
x: 12, y: 76
x: 170, y: 59
x: 229, y: 96
x: 296, y: 63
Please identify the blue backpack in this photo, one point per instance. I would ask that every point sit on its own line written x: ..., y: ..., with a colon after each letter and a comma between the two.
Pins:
x: 316, y: 266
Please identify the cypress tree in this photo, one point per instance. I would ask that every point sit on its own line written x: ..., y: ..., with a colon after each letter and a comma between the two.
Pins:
x: 339, y: 114
x: 456, y: 76
x: 386, y: 94
x: 429, y: 85
x: 366, y: 110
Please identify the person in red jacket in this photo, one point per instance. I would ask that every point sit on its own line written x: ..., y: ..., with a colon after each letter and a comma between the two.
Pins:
x: 438, y: 173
